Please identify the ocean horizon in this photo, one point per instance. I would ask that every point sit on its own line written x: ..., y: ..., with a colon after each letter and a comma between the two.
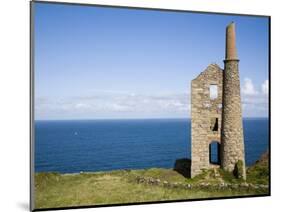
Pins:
x: 90, y: 145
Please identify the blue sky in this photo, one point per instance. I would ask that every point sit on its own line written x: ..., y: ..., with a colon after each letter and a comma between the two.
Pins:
x: 95, y: 63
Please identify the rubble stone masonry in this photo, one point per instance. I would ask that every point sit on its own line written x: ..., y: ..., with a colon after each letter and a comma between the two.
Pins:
x: 218, y: 119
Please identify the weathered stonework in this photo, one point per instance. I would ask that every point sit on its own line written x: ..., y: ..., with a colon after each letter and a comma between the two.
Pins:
x: 218, y: 119
x: 232, y: 126
x: 205, y: 114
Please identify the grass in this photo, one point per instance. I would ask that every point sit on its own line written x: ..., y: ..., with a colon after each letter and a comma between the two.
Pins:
x: 259, y: 172
x: 53, y: 190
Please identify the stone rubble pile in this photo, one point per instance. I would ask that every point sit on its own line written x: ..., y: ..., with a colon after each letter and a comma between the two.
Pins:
x: 202, y: 185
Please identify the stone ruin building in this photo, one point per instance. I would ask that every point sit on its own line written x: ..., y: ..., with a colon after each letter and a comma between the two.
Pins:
x: 216, y: 123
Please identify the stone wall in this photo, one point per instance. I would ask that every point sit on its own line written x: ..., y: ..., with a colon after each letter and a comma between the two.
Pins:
x: 204, y: 112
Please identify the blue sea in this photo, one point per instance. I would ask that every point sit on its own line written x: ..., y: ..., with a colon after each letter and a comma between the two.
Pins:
x: 101, y: 145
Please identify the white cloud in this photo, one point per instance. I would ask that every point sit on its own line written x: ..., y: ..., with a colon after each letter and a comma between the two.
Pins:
x: 248, y: 87
x: 255, y: 102
x: 121, y: 104
x: 82, y: 106
x: 264, y: 87
x: 119, y: 108
x: 114, y: 104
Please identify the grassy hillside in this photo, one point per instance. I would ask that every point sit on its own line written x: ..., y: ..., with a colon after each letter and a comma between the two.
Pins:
x: 127, y: 186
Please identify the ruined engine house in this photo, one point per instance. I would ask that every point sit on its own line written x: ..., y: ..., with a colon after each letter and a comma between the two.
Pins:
x: 217, y: 138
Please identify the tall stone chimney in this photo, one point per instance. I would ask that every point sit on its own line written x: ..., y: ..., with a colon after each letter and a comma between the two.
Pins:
x: 230, y: 50
x: 232, y: 137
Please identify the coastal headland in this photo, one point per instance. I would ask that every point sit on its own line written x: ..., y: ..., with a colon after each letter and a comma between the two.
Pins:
x: 55, y: 190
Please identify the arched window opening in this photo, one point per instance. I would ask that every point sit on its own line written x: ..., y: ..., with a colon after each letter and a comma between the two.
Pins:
x: 214, y: 153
